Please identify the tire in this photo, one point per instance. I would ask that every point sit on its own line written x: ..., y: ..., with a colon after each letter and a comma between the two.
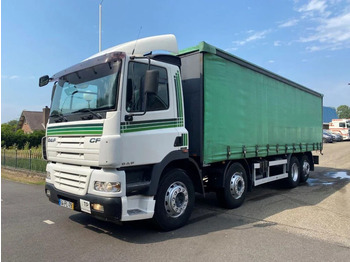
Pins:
x: 305, y: 169
x: 174, y: 200
x: 294, y: 172
x: 235, y: 187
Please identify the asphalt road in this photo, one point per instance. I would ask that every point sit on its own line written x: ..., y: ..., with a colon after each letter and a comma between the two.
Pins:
x: 308, y: 223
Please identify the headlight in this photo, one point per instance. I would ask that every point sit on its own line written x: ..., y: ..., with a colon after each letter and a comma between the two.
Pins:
x: 107, y: 186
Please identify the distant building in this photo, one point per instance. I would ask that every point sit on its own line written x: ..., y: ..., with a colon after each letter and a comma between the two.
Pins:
x: 329, y: 113
x: 33, y: 120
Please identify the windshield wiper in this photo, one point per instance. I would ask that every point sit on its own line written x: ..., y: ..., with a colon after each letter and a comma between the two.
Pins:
x: 98, y: 115
x: 60, y: 115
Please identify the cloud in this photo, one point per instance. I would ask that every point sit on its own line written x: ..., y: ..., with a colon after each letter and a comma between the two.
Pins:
x: 13, y: 77
x: 331, y: 33
x: 277, y: 43
x: 314, y: 5
x: 289, y: 23
x: 326, y: 23
x: 231, y: 49
x: 253, y: 37
x: 10, y: 77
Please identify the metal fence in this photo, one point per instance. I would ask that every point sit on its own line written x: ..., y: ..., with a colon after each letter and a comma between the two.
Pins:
x: 23, y: 159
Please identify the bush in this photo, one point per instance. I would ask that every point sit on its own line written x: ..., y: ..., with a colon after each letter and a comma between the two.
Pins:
x: 18, y: 139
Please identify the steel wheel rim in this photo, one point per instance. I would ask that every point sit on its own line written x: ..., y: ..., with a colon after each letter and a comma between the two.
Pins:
x: 295, y: 172
x: 306, y: 168
x: 176, y: 199
x: 237, y: 185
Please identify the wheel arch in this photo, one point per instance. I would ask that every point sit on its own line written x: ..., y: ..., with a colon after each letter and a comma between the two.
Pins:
x: 176, y: 159
x: 245, y: 165
x: 309, y: 156
x: 192, y: 170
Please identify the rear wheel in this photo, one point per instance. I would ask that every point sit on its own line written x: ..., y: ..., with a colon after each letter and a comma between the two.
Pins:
x: 235, y: 187
x: 174, y: 200
x: 294, y: 171
x: 305, y: 169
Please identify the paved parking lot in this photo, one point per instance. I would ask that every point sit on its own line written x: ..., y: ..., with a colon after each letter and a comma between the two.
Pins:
x: 308, y: 223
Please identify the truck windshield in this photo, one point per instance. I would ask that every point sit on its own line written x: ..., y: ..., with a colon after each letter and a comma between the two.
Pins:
x: 91, y: 89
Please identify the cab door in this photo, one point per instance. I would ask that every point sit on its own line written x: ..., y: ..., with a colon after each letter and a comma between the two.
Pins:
x: 148, y: 138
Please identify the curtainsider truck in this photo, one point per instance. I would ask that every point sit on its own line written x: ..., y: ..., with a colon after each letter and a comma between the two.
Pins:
x: 134, y: 134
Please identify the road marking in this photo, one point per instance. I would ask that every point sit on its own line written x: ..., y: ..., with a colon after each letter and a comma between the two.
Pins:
x: 49, y: 222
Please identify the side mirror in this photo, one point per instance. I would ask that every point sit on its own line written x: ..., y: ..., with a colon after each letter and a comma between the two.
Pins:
x: 44, y: 80
x: 151, y: 81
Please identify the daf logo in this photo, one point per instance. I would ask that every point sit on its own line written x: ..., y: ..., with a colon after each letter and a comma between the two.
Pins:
x: 51, y: 139
x: 95, y: 140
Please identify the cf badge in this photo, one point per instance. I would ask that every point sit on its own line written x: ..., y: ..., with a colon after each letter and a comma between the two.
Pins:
x: 95, y: 140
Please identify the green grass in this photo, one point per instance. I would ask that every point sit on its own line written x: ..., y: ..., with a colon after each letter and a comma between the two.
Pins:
x: 38, y: 165
x: 22, y: 176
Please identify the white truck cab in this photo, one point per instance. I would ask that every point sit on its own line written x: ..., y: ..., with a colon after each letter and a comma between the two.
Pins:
x: 115, y: 113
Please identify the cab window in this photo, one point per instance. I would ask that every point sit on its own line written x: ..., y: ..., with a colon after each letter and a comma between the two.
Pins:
x: 135, y: 87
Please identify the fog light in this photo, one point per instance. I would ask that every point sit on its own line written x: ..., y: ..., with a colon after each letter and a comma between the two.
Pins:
x: 107, y: 186
x: 98, y: 207
x: 48, y: 193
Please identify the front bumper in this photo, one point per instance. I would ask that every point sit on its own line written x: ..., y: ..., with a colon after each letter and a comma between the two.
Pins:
x: 112, y: 205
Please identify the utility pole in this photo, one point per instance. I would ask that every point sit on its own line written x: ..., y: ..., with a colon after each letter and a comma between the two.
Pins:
x: 100, y: 27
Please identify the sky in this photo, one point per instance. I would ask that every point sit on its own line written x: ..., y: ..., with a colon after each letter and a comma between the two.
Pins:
x: 306, y: 41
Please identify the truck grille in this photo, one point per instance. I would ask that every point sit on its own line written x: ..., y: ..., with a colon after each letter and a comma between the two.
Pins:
x: 73, y: 150
x: 70, y: 178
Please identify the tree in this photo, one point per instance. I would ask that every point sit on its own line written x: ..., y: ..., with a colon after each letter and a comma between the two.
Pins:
x: 34, y: 139
x: 7, y: 135
x: 343, y: 111
x: 10, y: 137
x: 13, y: 124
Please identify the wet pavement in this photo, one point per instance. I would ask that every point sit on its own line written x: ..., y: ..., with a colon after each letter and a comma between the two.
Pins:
x: 329, y: 178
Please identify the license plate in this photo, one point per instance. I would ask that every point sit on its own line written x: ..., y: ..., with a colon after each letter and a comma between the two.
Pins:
x: 85, y: 206
x: 65, y: 203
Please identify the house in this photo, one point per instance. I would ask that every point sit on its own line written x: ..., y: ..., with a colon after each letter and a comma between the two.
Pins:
x: 33, y: 120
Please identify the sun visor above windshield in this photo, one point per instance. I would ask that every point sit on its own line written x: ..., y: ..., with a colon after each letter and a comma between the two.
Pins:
x: 104, y: 58
x: 101, y: 59
x: 144, y: 46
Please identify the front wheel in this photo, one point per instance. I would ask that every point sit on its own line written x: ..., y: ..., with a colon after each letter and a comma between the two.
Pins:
x: 174, y: 200
x: 235, y: 187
